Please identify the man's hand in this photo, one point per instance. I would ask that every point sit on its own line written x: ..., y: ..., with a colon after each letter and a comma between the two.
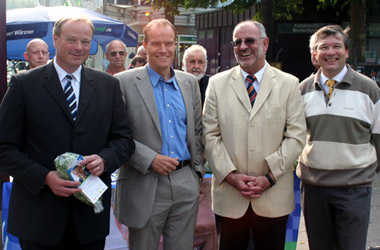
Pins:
x: 261, y: 182
x: 247, y: 185
x: 164, y: 165
x: 61, y: 187
x: 94, y: 164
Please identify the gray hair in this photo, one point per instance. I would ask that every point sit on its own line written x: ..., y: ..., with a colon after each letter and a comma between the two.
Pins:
x: 108, y: 44
x: 140, y: 49
x: 312, y: 43
x: 192, y: 48
x: 261, y: 27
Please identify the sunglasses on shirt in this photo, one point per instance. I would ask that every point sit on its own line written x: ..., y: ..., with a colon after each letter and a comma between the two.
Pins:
x: 248, y: 41
x: 121, y: 53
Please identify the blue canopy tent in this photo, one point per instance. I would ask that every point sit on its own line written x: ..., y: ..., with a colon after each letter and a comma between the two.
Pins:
x: 25, y: 24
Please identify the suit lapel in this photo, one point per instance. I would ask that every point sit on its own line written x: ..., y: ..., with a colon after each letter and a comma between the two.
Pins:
x: 87, y: 88
x: 266, y: 86
x: 238, y: 86
x: 54, y: 88
x: 144, y: 87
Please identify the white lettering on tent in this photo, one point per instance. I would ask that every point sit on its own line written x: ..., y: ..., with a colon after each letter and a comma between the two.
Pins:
x: 20, y: 32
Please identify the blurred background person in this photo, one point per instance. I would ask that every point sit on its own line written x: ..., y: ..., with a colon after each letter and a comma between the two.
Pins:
x: 37, y: 53
x: 195, y: 62
x: 136, y: 62
x: 312, y: 53
x: 116, y: 55
x: 141, y: 52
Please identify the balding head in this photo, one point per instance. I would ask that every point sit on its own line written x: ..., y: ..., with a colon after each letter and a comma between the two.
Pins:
x: 37, y: 53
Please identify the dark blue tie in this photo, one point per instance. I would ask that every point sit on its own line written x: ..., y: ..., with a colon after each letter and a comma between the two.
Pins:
x: 70, y: 96
x: 251, y: 90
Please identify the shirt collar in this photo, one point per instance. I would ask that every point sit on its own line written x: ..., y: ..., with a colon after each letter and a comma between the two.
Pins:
x: 62, y: 73
x: 259, y: 74
x: 156, y: 77
x: 338, y: 78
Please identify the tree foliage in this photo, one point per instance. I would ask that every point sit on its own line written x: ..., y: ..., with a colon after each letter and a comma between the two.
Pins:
x: 281, y: 8
x: 345, y: 4
x: 14, y: 4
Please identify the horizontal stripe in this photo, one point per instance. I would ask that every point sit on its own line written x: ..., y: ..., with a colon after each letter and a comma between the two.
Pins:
x: 332, y: 128
x: 338, y: 156
x: 376, y: 138
x: 346, y: 103
x: 376, y: 121
x: 337, y: 178
x: 352, y: 81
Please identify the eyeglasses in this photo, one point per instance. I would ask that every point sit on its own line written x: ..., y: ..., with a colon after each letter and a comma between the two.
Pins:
x: 248, y: 41
x: 121, y: 53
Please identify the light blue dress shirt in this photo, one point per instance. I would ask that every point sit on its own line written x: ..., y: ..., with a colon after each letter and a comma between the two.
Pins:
x: 172, y: 114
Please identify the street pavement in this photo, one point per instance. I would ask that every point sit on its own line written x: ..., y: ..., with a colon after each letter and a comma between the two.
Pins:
x: 373, y: 238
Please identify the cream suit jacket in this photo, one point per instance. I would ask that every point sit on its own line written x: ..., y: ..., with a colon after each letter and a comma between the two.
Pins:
x: 136, y: 184
x: 252, y: 141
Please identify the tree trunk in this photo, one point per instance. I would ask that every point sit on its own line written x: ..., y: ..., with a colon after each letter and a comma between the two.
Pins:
x: 266, y: 7
x: 169, y: 13
x: 358, y: 32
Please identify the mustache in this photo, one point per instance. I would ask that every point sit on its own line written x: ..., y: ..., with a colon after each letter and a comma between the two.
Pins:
x: 196, y: 70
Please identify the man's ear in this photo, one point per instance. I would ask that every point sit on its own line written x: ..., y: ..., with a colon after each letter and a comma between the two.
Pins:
x: 26, y: 56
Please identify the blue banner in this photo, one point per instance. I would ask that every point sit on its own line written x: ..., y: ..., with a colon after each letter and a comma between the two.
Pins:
x: 25, y: 31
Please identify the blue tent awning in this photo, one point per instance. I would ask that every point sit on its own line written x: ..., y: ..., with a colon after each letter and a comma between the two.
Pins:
x: 25, y: 24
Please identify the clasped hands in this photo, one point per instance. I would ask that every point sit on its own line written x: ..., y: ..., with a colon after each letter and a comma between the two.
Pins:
x: 251, y: 187
x: 60, y: 187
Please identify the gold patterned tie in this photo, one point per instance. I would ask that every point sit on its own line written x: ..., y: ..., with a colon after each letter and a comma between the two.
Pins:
x: 331, y: 84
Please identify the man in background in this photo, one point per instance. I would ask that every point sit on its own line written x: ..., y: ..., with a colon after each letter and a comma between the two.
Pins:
x: 116, y: 55
x: 142, y: 52
x: 195, y: 62
x: 37, y: 53
x: 312, y: 54
x: 136, y: 62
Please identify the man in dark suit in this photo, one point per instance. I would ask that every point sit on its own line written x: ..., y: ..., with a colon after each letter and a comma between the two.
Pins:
x: 37, y: 124
x: 157, y: 190
x: 195, y: 62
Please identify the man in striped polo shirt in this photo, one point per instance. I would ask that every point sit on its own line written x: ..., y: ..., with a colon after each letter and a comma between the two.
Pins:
x: 340, y: 159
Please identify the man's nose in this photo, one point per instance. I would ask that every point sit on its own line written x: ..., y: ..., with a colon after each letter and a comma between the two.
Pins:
x: 243, y: 46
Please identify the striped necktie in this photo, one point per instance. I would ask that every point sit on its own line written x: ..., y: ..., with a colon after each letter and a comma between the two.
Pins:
x: 251, y: 90
x: 70, y: 97
x: 331, y: 84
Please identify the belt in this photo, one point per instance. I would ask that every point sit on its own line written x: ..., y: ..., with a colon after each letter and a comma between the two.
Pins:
x: 183, y: 164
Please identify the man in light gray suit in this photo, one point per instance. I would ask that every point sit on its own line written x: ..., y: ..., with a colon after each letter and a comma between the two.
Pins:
x: 158, y: 189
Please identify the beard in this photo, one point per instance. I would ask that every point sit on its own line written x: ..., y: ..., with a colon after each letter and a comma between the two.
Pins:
x: 198, y: 76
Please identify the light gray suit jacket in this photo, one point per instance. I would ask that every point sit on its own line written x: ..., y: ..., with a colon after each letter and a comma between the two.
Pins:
x: 136, y: 185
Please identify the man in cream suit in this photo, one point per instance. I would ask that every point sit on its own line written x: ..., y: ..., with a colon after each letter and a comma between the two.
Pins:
x: 251, y: 146
x: 158, y: 189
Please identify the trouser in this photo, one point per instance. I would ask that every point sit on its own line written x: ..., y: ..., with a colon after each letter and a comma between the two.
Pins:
x: 267, y: 233
x: 336, y: 218
x: 174, y: 214
x: 69, y: 241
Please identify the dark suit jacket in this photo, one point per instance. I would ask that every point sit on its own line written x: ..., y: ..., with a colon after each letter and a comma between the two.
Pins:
x: 36, y: 126
x: 203, y: 86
